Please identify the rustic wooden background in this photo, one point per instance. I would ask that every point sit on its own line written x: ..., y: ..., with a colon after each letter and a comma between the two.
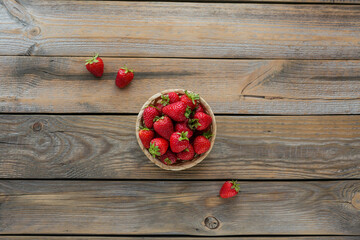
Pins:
x: 282, y: 76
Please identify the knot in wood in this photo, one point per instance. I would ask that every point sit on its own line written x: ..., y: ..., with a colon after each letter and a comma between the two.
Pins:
x: 35, y: 31
x: 37, y: 126
x: 211, y: 222
x: 356, y: 200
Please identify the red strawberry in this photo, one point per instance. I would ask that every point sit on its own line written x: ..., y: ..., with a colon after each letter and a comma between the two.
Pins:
x: 229, y: 189
x: 163, y: 126
x: 158, y: 147
x: 95, y: 65
x: 168, y: 158
x: 149, y: 114
x: 146, y: 135
x: 176, y: 111
x: 169, y: 98
x: 187, y: 154
x: 183, y: 127
x: 179, y: 141
x: 202, y: 143
x: 159, y: 107
x: 190, y: 99
x: 201, y: 121
x: 199, y: 108
x: 124, y: 77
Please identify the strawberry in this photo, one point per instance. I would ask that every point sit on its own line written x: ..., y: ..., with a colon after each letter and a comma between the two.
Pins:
x: 201, y: 121
x: 179, y: 141
x: 163, y: 126
x: 168, y: 158
x: 149, y: 114
x: 124, y: 77
x: 199, y: 108
x: 202, y: 143
x: 159, y: 107
x: 146, y: 135
x: 229, y: 189
x: 158, y: 147
x: 95, y: 65
x: 187, y: 154
x: 190, y: 99
x: 176, y: 111
x: 169, y: 98
x: 183, y: 127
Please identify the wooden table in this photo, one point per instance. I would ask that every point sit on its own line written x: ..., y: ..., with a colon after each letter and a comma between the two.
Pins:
x: 283, y: 78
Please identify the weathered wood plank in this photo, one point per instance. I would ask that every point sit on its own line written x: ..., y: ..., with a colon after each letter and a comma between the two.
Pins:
x: 57, y: 85
x: 176, y: 207
x: 175, y: 238
x: 247, y: 147
x: 174, y: 29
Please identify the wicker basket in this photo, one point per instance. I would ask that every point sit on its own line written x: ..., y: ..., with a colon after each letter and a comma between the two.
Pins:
x: 184, y: 164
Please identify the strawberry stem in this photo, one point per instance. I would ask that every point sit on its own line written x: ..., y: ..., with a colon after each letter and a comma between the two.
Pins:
x: 127, y: 69
x: 192, y: 96
x: 92, y: 60
x: 165, y: 100
x: 183, y: 136
x: 154, y: 150
x: 235, y: 185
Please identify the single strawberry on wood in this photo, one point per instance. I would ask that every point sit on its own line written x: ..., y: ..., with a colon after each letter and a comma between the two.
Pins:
x: 95, y: 65
x: 168, y: 158
x: 164, y: 126
x: 124, y: 77
x: 146, y: 135
x: 229, y: 189
x: 149, y: 114
x: 176, y: 111
x: 179, y: 141
x: 158, y: 147
x: 186, y: 155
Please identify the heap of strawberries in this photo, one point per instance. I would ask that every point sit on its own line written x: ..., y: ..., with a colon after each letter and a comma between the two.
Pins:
x: 177, y: 128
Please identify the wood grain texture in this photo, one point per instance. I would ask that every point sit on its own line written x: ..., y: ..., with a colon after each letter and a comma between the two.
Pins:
x: 246, y: 148
x: 176, y: 207
x: 179, y: 29
x: 175, y: 238
x: 296, y: 87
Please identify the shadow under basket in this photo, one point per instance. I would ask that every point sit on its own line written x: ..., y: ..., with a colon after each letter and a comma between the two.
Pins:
x: 181, y: 165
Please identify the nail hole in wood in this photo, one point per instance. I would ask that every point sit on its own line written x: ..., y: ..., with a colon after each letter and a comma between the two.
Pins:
x: 211, y: 222
x: 37, y: 126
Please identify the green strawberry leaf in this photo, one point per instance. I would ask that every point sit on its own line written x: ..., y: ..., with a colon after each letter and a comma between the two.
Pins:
x: 165, y: 100
x: 92, y: 60
x: 207, y: 134
x: 194, y: 123
x: 192, y: 96
x: 183, y: 136
x: 167, y: 161
x: 188, y: 112
x: 154, y: 150
x: 235, y: 185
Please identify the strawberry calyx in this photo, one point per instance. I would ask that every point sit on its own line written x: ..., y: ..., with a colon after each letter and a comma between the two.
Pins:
x: 127, y: 69
x: 157, y: 118
x: 167, y: 161
x: 154, y: 150
x: 235, y: 185
x: 192, y: 96
x: 92, y: 60
x: 207, y: 134
x: 144, y: 128
x: 183, y: 136
x: 165, y: 100
x: 188, y: 112
x: 194, y: 123
x: 187, y: 150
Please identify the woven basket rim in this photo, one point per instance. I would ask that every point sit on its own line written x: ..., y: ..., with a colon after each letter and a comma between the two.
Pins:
x: 186, y: 164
